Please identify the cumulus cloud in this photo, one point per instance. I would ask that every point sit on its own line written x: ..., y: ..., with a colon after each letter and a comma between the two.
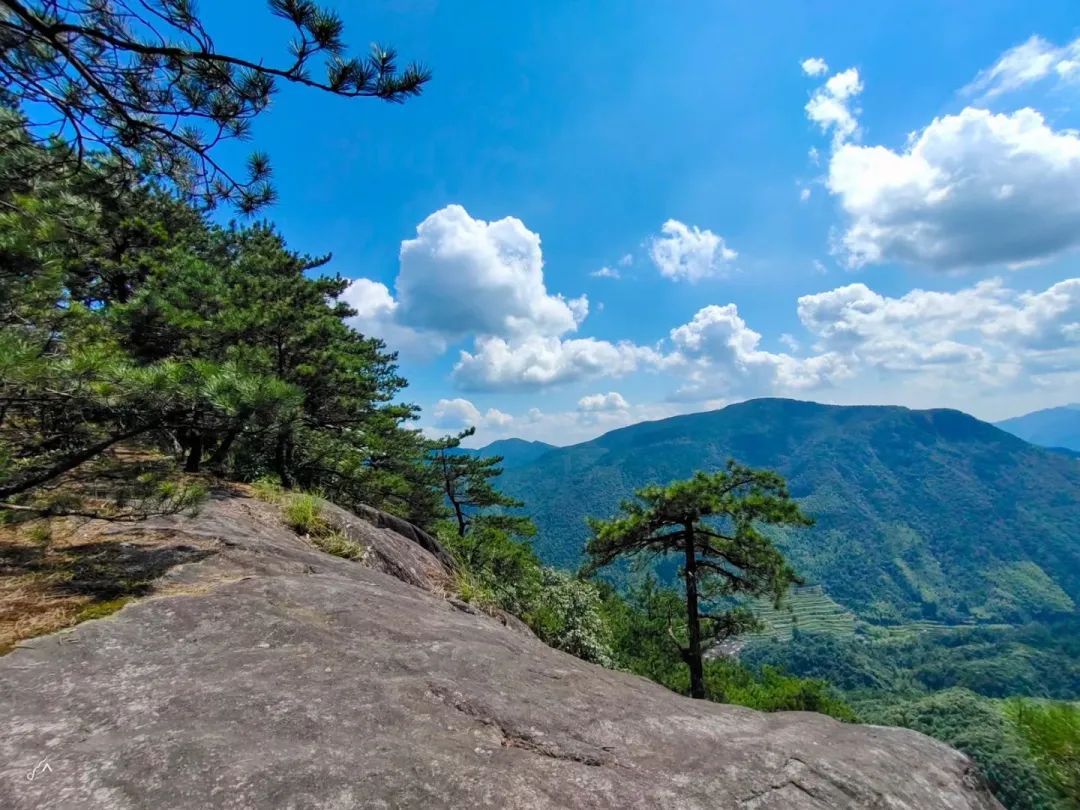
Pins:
x: 605, y: 272
x: 496, y: 364
x: 814, y: 66
x: 976, y: 188
x: 1031, y: 61
x: 986, y: 331
x: 804, y: 194
x: 721, y: 354
x: 689, y: 252
x: 830, y: 107
x: 611, y: 401
x: 457, y: 414
x: 376, y: 316
x: 462, y: 275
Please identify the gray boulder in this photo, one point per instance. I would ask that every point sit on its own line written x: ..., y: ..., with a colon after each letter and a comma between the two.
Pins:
x: 272, y: 675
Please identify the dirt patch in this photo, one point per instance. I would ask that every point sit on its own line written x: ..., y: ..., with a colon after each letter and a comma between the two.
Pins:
x: 57, y: 572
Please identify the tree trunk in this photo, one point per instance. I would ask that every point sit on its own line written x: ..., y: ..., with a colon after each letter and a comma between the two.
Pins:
x: 195, y: 451
x: 693, y: 623
x: 221, y: 454
x: 282, y: 459
x: 461, y: 525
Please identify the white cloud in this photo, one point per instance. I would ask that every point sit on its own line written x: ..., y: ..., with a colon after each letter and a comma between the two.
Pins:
x: 986, y: 332
x: 804, y: 194
x: 626, y: 260
x: 1042, y: 322
x: 611, y: 401
x: 830, y: 106
x: 570, y: 426
x: 814, y: 66
x: 462, y: 275
x: 605, y: 272
x: 722, y: 354
x: 975, y: 188
x: 458, y: 414
x: 690, y: 253
x: 376, y: 316
x: 1031, y: 61
x: 500, y: 365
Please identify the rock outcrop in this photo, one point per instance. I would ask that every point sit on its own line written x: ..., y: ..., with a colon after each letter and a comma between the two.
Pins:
x: 271, y: 675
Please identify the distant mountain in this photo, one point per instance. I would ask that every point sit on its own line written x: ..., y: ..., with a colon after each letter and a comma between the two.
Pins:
x: 1050, y: 427
x: 514, y: 452
x: 920, y: 514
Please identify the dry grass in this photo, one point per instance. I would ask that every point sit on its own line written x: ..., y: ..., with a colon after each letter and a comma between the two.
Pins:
x: 57, y: 572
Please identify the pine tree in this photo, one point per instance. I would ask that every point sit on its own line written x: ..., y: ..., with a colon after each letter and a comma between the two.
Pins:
x: 141, y: 85
x: 466, y: 480
x: 713, y: 521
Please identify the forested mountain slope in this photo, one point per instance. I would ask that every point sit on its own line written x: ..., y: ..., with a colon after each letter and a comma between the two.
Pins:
x: 514, y: 452
x: 918, y: 513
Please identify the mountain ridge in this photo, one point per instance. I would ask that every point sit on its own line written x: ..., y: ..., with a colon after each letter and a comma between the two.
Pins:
x: 1057, y: 427
x: 920, y: 513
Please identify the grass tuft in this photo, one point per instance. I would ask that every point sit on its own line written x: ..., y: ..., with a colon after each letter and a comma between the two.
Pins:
x: 339, y: 544
x: 268, y: 489
x: 303, y: 514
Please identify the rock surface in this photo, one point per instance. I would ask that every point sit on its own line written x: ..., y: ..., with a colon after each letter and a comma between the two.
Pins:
x: 271, y: 675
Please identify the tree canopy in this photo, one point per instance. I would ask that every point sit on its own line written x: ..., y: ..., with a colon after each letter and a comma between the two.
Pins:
x: 127, y: 316
x: 714, y: 521
x: 141, y: 83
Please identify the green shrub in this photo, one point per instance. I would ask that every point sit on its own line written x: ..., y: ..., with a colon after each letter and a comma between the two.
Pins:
x: 1052, y: 732
x: 728, y: 681
x: 567, y: 615
x: 976, y: 726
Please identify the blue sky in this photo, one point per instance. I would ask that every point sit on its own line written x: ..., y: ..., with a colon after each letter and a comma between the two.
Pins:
x: 923, y: 254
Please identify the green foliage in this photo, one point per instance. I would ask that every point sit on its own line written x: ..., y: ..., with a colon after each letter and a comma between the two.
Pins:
x: 639, y: 627
x: 126, y: 317
x: 715, y: 522
x: 1035, y: 660
x: 139, y: 84
x: 919, y: 515
x: 466, y: 480
x: 569, y: 617
x: 303, y: 514
x: 772, y: 691
x: 506, y: 570
x: 1052, y: 733
x: 980, y: 729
